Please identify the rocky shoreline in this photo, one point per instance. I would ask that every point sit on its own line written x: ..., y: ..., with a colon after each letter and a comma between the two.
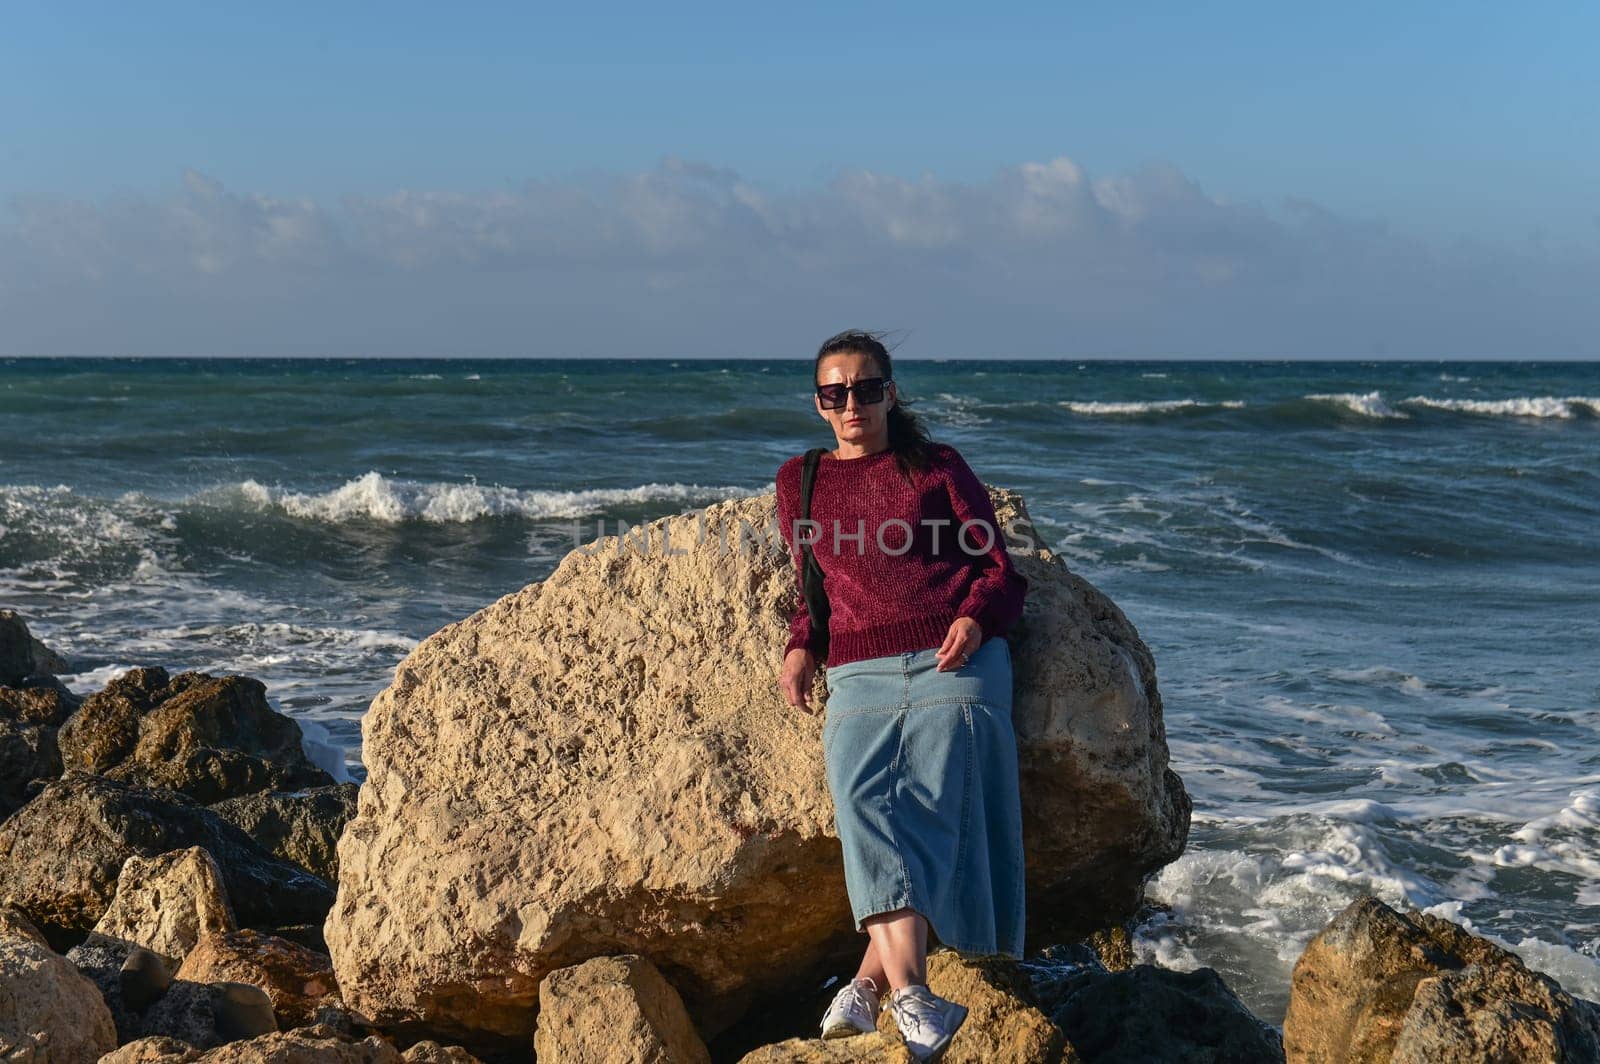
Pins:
x: 591, y: 830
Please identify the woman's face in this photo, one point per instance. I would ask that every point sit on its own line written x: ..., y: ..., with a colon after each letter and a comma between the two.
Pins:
x: 858, y: 423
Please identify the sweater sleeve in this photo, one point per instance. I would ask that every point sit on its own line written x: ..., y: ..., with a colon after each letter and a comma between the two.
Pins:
x: 788, y: 511
x: 996, y: 594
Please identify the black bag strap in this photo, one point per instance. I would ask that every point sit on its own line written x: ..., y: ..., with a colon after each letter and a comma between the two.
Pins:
x: 816, y: 598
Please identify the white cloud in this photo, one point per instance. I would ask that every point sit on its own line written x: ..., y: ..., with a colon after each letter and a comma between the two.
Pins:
x: 687, y: 258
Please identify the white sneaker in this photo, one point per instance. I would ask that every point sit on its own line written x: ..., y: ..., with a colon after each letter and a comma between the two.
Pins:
x: 854, y: 1010
x: 927, y: 1021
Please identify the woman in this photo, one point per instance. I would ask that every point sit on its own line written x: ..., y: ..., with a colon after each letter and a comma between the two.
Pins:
x: 920, y: 753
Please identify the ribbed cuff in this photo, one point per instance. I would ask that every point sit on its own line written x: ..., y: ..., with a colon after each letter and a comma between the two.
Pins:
x: 916, y: 633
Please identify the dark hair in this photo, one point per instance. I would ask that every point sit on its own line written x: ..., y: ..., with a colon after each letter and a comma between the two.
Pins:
x: 908, y: 437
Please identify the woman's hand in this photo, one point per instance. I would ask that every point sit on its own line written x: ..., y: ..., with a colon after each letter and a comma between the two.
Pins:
x: 798, y: 669
x: 960, y: 643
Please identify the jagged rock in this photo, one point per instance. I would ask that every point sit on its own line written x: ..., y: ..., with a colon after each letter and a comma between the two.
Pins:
x: 61, y: 854
x: 1379, y: 985
x: 302, y: 827
x: 21, y: 655
x: 48, y: 1011
x: 603, y: 763
x: 167, y: 902
x: 614, y: 1010
x: 297, y: 980
x: 32, y: 708
x: 38, y: 700
x: 1149, y: 1013
x: 28, y: 753
x: 105, y: 728
x: 208, y: 737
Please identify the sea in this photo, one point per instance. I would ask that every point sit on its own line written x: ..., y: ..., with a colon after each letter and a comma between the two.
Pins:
x: 1371, y: 587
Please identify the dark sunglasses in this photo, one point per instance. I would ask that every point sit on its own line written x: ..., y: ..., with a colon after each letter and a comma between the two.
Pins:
x: 868, y: 390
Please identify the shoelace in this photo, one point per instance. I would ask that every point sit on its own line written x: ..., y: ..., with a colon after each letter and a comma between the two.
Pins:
x: 921, y: 1012
x: 858, y: 997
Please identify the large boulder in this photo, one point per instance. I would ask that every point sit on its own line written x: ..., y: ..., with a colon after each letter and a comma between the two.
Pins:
x: 1377, y: 985
x: 208, y: 737
x: 48, y: 1010
x: 61, y: 855
x: 604, y: 763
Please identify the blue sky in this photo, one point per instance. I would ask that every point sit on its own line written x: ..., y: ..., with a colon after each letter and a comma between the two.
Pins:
x: 1463, y: 138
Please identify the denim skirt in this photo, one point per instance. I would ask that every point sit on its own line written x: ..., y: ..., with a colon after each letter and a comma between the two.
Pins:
x: 922, y: 768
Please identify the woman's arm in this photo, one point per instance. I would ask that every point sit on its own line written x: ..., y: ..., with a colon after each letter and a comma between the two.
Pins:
x: 996, y: 595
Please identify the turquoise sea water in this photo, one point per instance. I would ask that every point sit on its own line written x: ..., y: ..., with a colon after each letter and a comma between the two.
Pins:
x: 1370, y: 587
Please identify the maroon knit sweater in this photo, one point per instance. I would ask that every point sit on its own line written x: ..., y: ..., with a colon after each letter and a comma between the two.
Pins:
x: 887, y: 598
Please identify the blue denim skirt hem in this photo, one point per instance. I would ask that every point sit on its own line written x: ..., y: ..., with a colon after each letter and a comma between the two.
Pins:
x: 922, y: 768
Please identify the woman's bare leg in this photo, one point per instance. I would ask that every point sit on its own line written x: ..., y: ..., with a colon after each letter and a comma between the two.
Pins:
x: 900, y: 945
x: 872, y: 967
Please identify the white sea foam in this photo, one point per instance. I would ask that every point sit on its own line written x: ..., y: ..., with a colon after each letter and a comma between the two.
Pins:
x: 1267, y: 906
x: 959, y: 410
x: 321, y: 750
x: 1153, y: 406
x: 1516, y: 406
x: 373, y: 496
x: 1368, y: 404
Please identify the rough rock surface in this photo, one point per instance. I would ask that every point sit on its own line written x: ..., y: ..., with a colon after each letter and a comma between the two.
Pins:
x: 1003, y: 1022
x: 1149, y: 1013
x: 33, y: 704
x: 297, y: 980
x: 207, y: 1015
x: 209, y: 737
x: 1378, y: 985
x: 614, y: 1010
x: 429, y: 1051
x: 21, y: 655
x: 154, y: 1049
x: 167, y: 902
x: 875, y: 1048
x: 304, y: 1045
x: 101, y: 960
x: 48, y: 1010
x: 302, y: 827
x: 28, y: 750
x: 61, y: 854
x: 604, y: 763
